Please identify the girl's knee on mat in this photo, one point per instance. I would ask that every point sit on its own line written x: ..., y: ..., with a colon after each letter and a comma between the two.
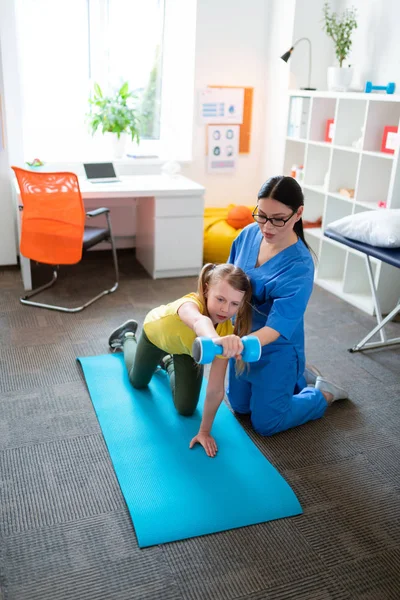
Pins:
x: 186, y: 412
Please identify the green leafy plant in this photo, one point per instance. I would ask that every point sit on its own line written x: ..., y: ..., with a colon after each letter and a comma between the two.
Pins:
x: 340, y: 29
x: 114, y: 114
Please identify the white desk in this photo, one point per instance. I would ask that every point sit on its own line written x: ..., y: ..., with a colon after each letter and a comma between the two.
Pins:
x: 169, y: 221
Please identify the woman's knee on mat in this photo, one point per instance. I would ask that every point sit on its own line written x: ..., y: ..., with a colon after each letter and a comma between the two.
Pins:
x: 268, y: 419
x: 239, y: 395
x: 264, y: 427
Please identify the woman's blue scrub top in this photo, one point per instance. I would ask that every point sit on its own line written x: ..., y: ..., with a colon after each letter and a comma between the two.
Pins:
x: 281, y: 286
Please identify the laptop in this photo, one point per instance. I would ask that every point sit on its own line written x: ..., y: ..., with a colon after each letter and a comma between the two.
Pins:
x: 100, y: 172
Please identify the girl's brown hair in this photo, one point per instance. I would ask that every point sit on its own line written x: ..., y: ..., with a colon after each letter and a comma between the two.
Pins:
x: 212, y: 274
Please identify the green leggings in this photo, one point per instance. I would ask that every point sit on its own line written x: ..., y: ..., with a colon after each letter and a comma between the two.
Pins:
x: 185, y: 375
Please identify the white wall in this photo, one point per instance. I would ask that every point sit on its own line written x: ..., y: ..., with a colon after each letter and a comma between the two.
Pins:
x: 376, y: 42
x: 231, y: 43
x: 308, y: 22
x: 280, y: 37
x: 375, y: 51
x: 12, y: 131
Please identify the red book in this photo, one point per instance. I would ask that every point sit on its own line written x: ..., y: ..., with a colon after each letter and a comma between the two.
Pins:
x: 389, y: 139
x: 329, y: 130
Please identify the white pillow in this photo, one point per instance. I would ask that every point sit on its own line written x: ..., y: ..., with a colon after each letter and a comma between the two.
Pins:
x: 375, y: 227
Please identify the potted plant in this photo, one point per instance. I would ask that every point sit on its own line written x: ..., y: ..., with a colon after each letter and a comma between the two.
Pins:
x: 340, y: 28
x: 116, y: 115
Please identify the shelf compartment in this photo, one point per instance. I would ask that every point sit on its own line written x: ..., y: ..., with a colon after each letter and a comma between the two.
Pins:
x: 332, y: 263
x: 294, y: 155
x: 319, y: 189
x: 317, y: 165
x: 343, y: 170
x: 341, y: 197
x: 314, y: 232
x: 331, y: 285
x: 364, y: 206
x: 350, y: 120
x: 380, y: 114
x: 313, y: 205
x: 313, y: 241
x: 322, y: 110
x: 299, y: 113
x: 374, y: 180
x: 362, y: 301
x: 346, y: 148
x: 356, y: 276
x: 384, y: 155
x: 336, y: 209
x: 323, y: 144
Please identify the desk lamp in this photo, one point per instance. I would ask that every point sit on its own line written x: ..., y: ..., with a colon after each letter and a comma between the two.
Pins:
x: 288, y: 54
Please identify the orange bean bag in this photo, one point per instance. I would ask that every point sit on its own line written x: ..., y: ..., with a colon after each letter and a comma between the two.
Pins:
x: 219, y: 233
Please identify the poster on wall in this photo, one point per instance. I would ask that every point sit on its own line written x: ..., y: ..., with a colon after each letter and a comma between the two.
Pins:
x: 222, y: 106
x: 223, y: 148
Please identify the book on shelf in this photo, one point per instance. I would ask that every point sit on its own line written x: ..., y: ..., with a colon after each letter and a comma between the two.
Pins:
x: 298, y: 117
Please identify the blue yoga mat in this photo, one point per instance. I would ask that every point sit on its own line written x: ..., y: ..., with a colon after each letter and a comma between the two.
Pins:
x: 172, y: 492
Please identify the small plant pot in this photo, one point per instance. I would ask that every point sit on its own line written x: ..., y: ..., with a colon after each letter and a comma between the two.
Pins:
x: 339, y: 78
x: 118, y: 145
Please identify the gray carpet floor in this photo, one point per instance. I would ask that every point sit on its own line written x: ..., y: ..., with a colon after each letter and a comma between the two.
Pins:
x: 65, y: 532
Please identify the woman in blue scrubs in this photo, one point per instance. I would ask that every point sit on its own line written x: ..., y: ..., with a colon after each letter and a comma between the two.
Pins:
x: 277, y: 259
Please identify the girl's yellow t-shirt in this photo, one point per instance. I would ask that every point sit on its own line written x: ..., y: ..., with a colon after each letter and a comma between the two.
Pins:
x: 167, y: 331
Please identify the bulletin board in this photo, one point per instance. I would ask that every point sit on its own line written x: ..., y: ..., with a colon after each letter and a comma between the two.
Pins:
x: 245, y: 127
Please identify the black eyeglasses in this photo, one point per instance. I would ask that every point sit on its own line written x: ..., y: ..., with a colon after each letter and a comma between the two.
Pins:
x: 275, y: 222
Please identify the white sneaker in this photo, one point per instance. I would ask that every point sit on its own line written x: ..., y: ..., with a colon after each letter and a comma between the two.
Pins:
x: 338, y: 393
x: 310, y: 374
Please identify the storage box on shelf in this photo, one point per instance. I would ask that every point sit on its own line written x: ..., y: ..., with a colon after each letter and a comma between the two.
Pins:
x: 348, y: 175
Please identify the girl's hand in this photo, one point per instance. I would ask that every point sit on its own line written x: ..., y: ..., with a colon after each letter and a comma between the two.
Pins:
x: 207, y: 441
x: 232, y: 345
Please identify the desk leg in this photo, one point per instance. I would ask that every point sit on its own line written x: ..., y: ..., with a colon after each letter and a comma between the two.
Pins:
x: 24, y: 263
x: 145, y: 233
x: 26, y: 273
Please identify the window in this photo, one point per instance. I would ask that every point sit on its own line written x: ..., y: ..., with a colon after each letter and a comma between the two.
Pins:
x: 64, y: 47
x: 125, y: 44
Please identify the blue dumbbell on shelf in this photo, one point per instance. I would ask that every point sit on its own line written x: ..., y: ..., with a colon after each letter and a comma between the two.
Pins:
x: 389, y: 88
x: 204, y: 350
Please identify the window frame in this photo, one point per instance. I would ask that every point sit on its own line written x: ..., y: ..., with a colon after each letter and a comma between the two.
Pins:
x: 177, y: 91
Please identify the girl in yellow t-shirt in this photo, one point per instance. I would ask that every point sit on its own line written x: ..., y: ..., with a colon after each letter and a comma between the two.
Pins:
x: 224, y: 291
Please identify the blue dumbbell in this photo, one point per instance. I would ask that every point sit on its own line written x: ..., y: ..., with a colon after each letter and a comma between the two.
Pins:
x: 204, y: 350
x: 389, y: 88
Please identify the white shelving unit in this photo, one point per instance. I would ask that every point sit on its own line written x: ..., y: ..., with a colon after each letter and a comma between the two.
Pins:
x: 329, y: 166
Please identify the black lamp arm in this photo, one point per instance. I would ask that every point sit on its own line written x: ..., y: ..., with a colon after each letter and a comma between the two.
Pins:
x: 309, y: 57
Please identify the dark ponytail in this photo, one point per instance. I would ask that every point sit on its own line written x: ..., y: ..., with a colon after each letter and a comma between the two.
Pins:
x: 287, y: 191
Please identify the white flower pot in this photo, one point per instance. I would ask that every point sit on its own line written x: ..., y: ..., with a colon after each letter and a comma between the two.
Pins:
x: 118, y: 145
x: 339, y: 78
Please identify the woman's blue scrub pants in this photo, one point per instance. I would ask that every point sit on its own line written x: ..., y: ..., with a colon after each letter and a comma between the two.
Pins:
x: 273, y: 392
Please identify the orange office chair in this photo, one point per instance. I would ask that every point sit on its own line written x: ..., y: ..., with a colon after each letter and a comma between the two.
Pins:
x: 53, y: 227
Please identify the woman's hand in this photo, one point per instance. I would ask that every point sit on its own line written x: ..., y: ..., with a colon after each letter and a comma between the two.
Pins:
x: 232, y: 345
x: 207, y: 441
